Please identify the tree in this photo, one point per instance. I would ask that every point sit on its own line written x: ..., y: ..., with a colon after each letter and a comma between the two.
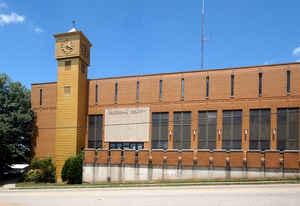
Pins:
x: 16, y: 122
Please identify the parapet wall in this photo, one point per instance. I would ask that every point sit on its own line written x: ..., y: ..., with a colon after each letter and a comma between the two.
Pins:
x: 166, y: 165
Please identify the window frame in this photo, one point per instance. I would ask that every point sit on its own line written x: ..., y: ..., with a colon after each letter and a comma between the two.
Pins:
x: 162, y: 125
x: 260, y: 82
x: 207, y: 86
x: 137, y: 90
x: 232, y: 85
x: 41, y: 97
x: 208, y: 126
x: 116, y: 92
x: 288, y: 81
x: 96, y: 93
x: 160, y: 89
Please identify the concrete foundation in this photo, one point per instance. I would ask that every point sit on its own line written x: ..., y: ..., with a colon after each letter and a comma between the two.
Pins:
x: 130, y: 173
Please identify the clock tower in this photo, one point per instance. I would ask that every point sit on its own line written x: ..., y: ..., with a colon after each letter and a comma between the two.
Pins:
x: 73, y: 56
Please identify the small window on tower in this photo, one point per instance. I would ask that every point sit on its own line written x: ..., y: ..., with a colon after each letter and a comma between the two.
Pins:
x: 67, y: 90
x: 67, y: 65
x: 83, y: 68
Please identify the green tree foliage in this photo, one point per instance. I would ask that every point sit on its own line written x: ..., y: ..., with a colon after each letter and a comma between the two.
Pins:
x: 16, y: 122
x: 41, y: 170
x: 72, y: 170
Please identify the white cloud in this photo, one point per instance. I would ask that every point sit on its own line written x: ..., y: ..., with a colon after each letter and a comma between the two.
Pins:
x: 38, y: 30
x: 3, y: 5
x: 12, y: 18
x: 296, y: 51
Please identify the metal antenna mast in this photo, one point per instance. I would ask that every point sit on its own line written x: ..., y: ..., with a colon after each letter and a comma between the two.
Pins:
x: 202, y: 35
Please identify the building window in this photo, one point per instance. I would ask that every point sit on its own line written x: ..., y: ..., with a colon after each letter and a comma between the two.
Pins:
x: 182, y: 88
x: 83, y: 68
x: 160, y: 122
x: 67, y: 90
x: 232, y: 129
x: 137, y: 90
x: 260, y: 128
x: 41, y: 96
x: 182, y: 130
x: 116, y: 92
x: 67, y: 65
x: 95, y: 131
x: 288, y: 129
x: 207, y: 129
x: 260, y: 84
x: 96, y: 94
x: 160, y: 89
x: 232, y: 85
x: 288, y: 82
x: 207, y: 86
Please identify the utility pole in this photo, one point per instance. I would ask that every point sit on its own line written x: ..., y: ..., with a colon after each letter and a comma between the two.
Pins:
x: 202, y: 35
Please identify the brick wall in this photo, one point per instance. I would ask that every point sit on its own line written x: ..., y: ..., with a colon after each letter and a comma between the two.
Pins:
x: 245, y: 95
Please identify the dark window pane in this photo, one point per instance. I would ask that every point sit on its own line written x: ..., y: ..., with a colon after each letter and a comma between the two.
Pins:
x: 232, y: 129
x: 232, y: 85
x: 41, y: 97
x: 96, y: 94
x: 207, y: 86
x: 288, y: 128
x: 260, y: 84
x: 182, y: 89
x: 260, y: 128
x: 116, y: 92
x: 288, y: 81
x: 182, y: 130
x: 160, y: 123
x: 160, y: 89
x: 95, y: 131
x: 207, y: 125
x: 137, y: 90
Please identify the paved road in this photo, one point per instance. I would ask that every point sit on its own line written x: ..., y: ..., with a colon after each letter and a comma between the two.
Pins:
x: 281, y: 195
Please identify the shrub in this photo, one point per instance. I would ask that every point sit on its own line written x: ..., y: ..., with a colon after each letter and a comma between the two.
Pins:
x: 32, y: 175
x: 41, y: 170
x: 72, y: 170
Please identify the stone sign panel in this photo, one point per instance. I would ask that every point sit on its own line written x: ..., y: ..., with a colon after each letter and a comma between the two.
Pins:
x: 127, y: 124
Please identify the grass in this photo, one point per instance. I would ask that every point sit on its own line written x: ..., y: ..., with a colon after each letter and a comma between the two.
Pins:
x: 23, y: 185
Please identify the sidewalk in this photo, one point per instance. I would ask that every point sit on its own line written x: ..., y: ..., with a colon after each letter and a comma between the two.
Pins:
x: 9, y: 184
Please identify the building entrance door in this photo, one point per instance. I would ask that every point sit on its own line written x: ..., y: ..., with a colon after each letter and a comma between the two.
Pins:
x: 126, y: 145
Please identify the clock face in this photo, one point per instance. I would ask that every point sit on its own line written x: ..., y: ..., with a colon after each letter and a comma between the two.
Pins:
x: 67, y: 46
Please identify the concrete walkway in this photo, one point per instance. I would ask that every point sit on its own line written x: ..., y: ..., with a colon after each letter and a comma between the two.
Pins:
x: 9, y: 184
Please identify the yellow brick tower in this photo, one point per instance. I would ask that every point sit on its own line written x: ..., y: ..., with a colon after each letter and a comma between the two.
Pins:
x: 73, y: 56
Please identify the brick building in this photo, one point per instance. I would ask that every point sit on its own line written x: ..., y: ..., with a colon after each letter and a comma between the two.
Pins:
x: 247, y: 108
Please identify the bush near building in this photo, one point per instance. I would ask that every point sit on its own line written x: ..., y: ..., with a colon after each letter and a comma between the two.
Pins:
x: 72, y: 170
x: 41, y: 170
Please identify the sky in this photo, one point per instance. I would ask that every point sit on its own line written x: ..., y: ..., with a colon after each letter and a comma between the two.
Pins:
x: 133, y: 37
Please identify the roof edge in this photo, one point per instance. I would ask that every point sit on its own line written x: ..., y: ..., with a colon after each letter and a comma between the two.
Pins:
x: 191, y: 71
x: 32, y: 84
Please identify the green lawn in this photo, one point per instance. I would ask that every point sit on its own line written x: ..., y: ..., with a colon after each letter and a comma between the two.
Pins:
x: 23, y: 185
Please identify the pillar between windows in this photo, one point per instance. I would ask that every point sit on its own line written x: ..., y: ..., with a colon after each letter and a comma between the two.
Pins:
x: 171, y: 130
x: 194, y: 130
x: 246, y: 129
x: 273, y: 135
x: 219, y: 128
